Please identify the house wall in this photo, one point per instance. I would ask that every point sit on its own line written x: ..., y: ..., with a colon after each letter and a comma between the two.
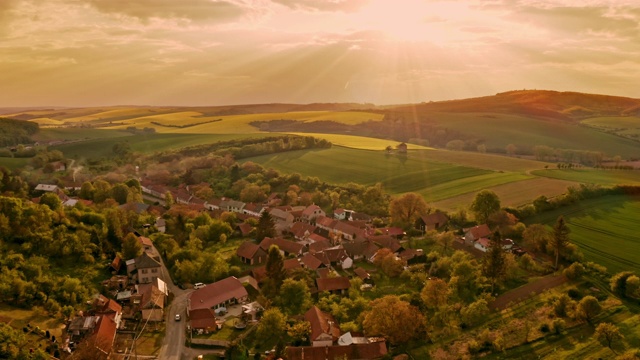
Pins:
x: 323, y: 340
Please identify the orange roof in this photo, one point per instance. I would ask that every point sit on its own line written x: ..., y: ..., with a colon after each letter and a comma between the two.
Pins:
x: 322, y: 323
x: 105, y: 334
x: 217, y: 293
x: 332, y: 284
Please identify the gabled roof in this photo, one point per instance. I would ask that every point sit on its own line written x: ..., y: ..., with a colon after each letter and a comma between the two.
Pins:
x: 145, y: 241
x: 362, y: 273
x: 484, y: 242
x: 105, y: 332
x: 332, y: 284
x: 202, y: 319
x: 369, y: 351
x: 287, y: 246
x: 217, y: 293
x: 299, y: 229
x: 116, y: 264
x: 249, y: 249
x: 280, y: 215
x: 145, y: 261
x: 322, y: 323
x: 315, y: 237
x: 326, y: 222
x: 260, y: 273
x: 436, y: 218
x: 479, y: 231
x: 386, y: 241
x: 320, y: 245
x: 245, y: 229
x: 335, y: 255
x: 253, y: 207
x: 311, y: 261
x: 151, y: 296
x: 310, y: 210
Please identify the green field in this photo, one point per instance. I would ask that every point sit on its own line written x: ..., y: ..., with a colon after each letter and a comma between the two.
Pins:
x: 499, y: 130
x: 145, y: 143
x: 13, y: 163
x: 66, y: 134
x: 361, y: 142
x: 605, y: 229
x: 591, y: 176
x: 627, y: 126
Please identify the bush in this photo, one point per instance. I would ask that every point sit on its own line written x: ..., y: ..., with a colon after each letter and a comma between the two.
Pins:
x: 557, y: 326
x: 574, y: 271
x: 544, y: 327
x: 574, y: 293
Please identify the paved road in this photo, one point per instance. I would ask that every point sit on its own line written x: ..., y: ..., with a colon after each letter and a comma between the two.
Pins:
x: 173, y: 343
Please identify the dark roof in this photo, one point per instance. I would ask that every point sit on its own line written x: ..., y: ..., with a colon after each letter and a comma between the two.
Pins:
x: 319, y: 245
x: 311, y: 261
x: 322, y: 323
x: 248, y: 250
x: 217, y: 293
x: 335, y: 255
x: 332, y: 284
x: 287, y: 246
x: 245, y: 228
x: 479, y: 231
x: 370, y: 351
x: 435, y: 219
x: 145, y: 261
x: 202, y: 318
x: 386, y: 241
x: 362, y: 273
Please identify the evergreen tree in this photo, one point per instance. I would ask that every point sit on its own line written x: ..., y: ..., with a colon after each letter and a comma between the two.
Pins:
x: 560, y: 239
x: 266, y: 227
x: 275, y: 272
x: 493, y: 262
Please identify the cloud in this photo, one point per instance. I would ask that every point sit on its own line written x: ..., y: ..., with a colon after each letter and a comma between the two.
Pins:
x: 197, y: 10
x: 326, y: 5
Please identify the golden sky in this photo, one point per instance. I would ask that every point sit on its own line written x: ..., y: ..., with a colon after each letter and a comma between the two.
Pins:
x: 211, y: 52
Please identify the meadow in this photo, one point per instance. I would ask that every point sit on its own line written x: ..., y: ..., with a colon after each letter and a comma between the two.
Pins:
x: 499, y: 130
x: 627, y: 126
x: 605, y: 229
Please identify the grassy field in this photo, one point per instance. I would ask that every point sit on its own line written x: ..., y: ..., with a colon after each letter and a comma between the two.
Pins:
x: 514, y: 193
x: 145, y: 143
x: 591, y: 176
x: 499, y: 130
x: 67, y: 134
x: 604, y: 228
x: 14, y: 163
x: 627, y: 126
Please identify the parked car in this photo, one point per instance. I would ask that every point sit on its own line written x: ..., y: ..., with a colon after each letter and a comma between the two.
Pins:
x: 199, y: 286
x: 177, y: 317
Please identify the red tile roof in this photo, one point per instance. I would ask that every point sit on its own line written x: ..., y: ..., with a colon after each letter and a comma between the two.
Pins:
x: 322, y: 323
x: 287, y: 246
x: 202, y: 319
x: 217, y: 293
x: 311, y: 261
x: 248, y: 250
x: 479, y: 231
x: 105, y: 333
x: 370, y: 351
x: 333, y: 284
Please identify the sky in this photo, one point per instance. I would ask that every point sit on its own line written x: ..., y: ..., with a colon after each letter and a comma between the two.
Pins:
x: 215, y: 52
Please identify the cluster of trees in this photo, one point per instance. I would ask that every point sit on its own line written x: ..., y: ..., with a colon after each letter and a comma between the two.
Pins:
x: 570, y: 156
x: 14, y: 132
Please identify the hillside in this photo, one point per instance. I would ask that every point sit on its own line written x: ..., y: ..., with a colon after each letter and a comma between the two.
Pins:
x: 567, y: 106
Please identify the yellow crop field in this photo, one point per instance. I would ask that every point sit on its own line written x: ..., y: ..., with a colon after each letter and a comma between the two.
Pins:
x: 43, y: 121
x: 360, y: 142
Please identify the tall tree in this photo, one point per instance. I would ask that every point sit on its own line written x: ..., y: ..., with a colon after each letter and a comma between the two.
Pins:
x: 536, y: 237
x: 405, y: 209
x: 275, y: 272
x: 608, y: 335
x: 131, y: 247
x: 266, y: 226
x: 272, y: 325
x: 435, y: 294
x: 446, y: 240
x: 560, y: 239
x: 484, y: 205
x: 493, y: 262
x: 393, y: 318
x: 294, y: 296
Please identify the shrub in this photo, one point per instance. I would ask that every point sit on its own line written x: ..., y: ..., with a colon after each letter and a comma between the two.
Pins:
x: 574, y: 271
x: 544, y: 327
x: 574, y: 293
x: 557, y: 326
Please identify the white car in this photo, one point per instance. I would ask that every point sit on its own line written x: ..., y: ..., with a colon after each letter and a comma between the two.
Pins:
x: 177, y: 317
x: 198, y: 286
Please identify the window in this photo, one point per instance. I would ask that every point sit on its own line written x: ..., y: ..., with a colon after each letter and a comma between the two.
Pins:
x: 154, y: 270
x: 144, y: 271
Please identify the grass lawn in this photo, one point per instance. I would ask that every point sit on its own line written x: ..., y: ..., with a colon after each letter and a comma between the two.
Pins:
x: 150, y: 343
x: 19, y: 318
x: 14, y: 163
x: 604, y: 228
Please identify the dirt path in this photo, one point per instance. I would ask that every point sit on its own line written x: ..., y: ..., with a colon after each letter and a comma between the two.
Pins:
x: 526, y: 291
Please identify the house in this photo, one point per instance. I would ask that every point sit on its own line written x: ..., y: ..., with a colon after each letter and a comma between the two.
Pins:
x: 324, y: 328
x: 232, y: 205
x: 394, y: 232
x: 251, y: 253
x: 148, y: 268
x: 368, y: 351
x: 339, y: 257
x: 161, y: 224
x: 507, y: 244
x: 336, y: 285
x: 408, y: 255
x: 302, y: 231
x: 253, y: 209
x: 432, y: 221
x: 203, y: 320
x: 116, y: 264
x: 310, y: 213
x: 286, y: 247
x: 361, y: 250
x: 47, y: 188
x: 475, y: 233
x: 387, y: 242
x: 244, y: 229
x: 320, y: 245
x: 363, y: 274
x: 105, y: 334
x: 260, y: 273
x: 219, y: 294
x: 482, y: 244
x: 311, y: 262
x: 146, y: 243
x: 282, y: 219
